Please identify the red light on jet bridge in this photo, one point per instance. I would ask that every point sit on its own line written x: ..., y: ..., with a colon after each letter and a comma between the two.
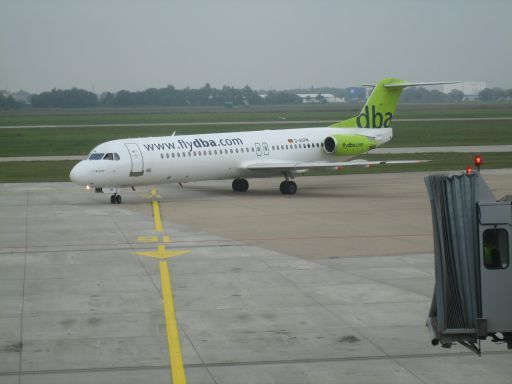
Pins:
x: 478, y: 162
x: 469, y: 170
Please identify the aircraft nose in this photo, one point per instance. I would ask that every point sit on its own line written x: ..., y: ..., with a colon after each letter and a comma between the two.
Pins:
x: 76, y: 174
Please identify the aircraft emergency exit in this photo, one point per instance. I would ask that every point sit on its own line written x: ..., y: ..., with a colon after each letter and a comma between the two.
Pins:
x: 134, y: 162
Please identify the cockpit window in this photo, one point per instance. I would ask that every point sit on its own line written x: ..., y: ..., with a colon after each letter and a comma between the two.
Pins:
x: 109, y: 156
x: 116, y: 156
x: 96, y: 156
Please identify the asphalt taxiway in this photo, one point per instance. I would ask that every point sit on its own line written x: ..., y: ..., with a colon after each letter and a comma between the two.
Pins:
x: 330, y: 285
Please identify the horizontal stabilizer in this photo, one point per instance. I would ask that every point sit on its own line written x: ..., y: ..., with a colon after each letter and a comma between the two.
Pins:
x: 409, y: 84
x: 404, y: 84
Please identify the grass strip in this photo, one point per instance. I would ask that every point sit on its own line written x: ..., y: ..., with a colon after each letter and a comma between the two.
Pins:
x: 334, y: 112
x: 80, y: 141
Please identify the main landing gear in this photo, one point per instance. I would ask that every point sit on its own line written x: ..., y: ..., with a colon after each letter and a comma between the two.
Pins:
x: 115, y: 199
x: 288, y: 187
x: 240, y: 185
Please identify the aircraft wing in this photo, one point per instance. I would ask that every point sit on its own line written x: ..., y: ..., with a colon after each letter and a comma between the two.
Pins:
x: 289, y: 166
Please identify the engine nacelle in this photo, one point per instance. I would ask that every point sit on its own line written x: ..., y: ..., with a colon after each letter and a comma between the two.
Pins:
x: 343, y: 145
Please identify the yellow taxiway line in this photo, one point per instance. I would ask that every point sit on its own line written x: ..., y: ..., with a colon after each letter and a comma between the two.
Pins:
x: 157, y: 217
x: 173, y: 337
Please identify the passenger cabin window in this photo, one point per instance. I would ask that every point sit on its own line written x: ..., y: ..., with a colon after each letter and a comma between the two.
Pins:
x: 495, y: 248
x: 96, y: 156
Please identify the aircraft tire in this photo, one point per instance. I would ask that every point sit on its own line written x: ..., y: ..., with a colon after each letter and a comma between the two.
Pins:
x: 118, y: 199
x: 243, y: 185
x: 113, y: 199
x: 236, y: 185
x: 292, y: 188
x: 240, y: 185
x: 282, y: 187
x: 288, y: 187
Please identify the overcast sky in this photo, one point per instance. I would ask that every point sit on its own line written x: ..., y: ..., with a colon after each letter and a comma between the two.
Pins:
x: 108, y: 45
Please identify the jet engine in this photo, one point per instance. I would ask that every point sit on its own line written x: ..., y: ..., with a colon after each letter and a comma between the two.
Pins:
x: 343, y: 145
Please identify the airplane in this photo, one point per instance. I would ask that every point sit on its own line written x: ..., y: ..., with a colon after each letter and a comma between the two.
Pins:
x: 127, y: 163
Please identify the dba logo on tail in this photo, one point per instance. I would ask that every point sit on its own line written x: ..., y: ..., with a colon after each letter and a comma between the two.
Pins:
x: 375, y: 120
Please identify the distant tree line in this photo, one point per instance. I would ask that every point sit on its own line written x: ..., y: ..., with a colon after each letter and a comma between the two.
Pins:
x: 225, y: 96
x: 411, y: 95
x: 205, y: 96
x: 65, y: 98
x: 161, y: 97
x: 8, y: 102
x: 495, y: 94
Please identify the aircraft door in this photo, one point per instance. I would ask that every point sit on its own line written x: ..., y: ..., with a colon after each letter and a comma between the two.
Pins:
x: 258, y: 149
x: 137, y: 160
x: 265, y: 149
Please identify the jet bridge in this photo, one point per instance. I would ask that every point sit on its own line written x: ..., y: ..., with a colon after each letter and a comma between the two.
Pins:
x: 472, y: 299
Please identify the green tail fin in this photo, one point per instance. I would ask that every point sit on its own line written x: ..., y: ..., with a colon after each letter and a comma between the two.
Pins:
x: 380, y: 106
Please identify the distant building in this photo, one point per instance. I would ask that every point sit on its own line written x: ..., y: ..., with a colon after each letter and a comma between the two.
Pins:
x: 319, y: 98
x: 355, y: 94
x: 471, y: 89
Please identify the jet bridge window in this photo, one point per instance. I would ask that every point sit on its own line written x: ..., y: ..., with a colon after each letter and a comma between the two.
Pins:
x: 96, y: 156
x: 495, y: 248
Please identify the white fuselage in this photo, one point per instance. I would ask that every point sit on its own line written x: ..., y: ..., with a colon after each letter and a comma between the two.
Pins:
x: 168, y: 159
